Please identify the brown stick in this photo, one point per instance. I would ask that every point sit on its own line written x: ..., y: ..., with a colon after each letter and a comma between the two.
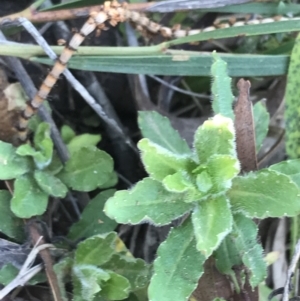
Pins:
x: 36, y: 16
x: 46, y: 257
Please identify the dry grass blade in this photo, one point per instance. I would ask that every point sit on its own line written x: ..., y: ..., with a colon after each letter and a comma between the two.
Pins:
x: 26, y: 272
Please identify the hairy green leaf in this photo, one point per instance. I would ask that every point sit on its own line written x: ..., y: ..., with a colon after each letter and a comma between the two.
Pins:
x: 245, y: 234
x: 11, y: 165
x: 96, y: 250
x: 87, y: 169
x: 215, y: 137
x: 87, y: 280
x: 158, y: 129
x: 63, y: 270
x: 116, y: 287
x: 178, y: 182
x: 134, y: 269
x: 10, y: 225
x: 147, y: 201
x: 178, y: 266
x: 160, y: 162
x: 221, y: 88
x: 93, y: 220
x: 204, y: 181
x: 28, y: 200
x: 290, y: 168
x: 50, y: 184
x: 212, y: 221
x: 263, y: 194
x: 222, y: 169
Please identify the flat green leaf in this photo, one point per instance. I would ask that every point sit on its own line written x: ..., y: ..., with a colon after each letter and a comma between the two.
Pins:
x: 96, y: 250
x: 93, y: 220
x: 111, y: 182
x: 81, y: 141
x: 44, y: 145
x: 87, y: 280
x: 28, y: 200
x: 87, y: 169
x: 245, y: 234
x: 147, y: 201
x: 159, y: 162
x: 261, y: 122
x: 158, y: 129
x: 50, y: 184
x: 134, y: 269
x: 116, y: 287
x: 221, y: 88
x: 290, y: 168
x: 264, y: 194
x: 212, y: 221
x: 55, y: 166
x: 11, y: 165
x: 8, y: 272
x: 215, y: 137
x: 67, y: 133
x: 178, y: 266
x: 26, y: 150
x: 10, y: 225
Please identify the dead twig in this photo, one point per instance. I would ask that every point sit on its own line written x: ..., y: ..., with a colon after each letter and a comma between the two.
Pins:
x: 47, y: 259
x: 33, y: 15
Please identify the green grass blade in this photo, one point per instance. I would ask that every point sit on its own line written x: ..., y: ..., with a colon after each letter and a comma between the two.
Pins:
x: 246, y: 30
x: 179, y: 63
x: 73, y: 4
x: 257, y: 8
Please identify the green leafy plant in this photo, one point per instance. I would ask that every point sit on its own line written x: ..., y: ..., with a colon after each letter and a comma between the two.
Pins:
x: 100, y: 270
x: 39, y: 174
x: 203, y: 187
